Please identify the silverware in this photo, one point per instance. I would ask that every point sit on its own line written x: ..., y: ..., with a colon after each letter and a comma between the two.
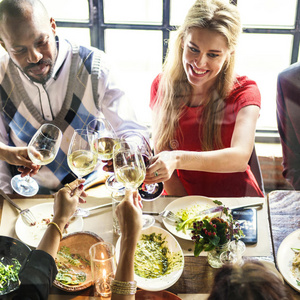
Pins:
x: 170, y: 216
x: 26, y: 214
x: 86, y: 211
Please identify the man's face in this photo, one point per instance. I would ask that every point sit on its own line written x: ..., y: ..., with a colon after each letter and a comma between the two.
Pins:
x: 30, y: 42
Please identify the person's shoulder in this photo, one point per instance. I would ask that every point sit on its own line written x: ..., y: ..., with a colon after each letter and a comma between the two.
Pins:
x: 242, y: 82
x: 291, y: 71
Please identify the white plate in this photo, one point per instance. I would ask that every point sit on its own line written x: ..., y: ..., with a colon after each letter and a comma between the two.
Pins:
x: 31, y: 235
x: 164, y: 282
x: 285, y: 257
x: 186, y: 203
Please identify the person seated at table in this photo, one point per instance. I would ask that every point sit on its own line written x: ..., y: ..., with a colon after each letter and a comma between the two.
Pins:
x: 252, y: 281
x: 287, y: 99
x: 39, y: 271
x: 204, y: 115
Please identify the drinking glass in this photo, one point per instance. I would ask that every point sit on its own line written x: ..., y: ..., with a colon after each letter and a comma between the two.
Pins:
x: 106, y: 137
x: 103, y: 266
x: 148, y: 192
x: 42, y: 150
x: 130, y: 170
x: 83, y: 152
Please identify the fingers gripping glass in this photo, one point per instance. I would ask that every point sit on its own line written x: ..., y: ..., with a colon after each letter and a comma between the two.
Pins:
x: 42, y: 150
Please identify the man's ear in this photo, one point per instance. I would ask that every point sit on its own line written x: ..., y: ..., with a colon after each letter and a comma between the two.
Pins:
x: 53, y: 25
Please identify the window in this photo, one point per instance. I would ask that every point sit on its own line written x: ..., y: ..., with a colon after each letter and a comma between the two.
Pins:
x: 134, y: 34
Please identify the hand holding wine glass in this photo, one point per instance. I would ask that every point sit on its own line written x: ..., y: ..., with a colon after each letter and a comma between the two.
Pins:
x: 42, y: 150
x: 130, y: 170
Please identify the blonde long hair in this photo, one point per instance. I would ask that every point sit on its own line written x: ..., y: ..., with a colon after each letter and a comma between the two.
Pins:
x: 174, y: 89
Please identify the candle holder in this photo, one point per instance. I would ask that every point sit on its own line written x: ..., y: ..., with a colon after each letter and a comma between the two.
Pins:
x: 103, y: 266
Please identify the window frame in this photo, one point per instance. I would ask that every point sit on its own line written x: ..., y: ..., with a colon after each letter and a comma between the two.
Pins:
x: 97, y: 28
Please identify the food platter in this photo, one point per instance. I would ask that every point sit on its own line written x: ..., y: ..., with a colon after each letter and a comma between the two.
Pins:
x: 165, y: 281
x: 11, y: 249
x: 78, y: 244
x: 31, y: 235
x: 285, y: 257
x: 184, y: 203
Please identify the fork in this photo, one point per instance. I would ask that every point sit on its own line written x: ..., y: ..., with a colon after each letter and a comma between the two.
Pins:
x: 26, y: 214
x: 171, y: 217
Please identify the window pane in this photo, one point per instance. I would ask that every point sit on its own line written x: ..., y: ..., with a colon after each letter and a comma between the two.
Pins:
x: 81, y: 36
x: 137, y: 63
x: 261, y: 57
x: 68, y: 9
x: 133, y: 11
x: 179, y: 9
x: 267, y: 12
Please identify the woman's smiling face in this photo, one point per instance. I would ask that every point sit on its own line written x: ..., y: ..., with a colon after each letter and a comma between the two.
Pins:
x: 204, y: 54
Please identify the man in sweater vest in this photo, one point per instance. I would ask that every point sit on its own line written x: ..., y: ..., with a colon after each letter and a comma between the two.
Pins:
x: 47, y: 79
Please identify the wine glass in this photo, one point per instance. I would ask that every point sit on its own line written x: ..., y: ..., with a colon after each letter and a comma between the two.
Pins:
x: 106, y: 137
x: 130, y: 170
x: 42, y: 150
x: 82, y: 153
x: 148, y: 192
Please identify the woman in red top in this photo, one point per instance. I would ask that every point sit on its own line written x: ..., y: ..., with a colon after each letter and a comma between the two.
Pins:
x: 204, y: 114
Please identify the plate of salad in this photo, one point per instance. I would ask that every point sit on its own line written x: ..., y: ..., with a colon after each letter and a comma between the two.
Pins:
x: 13, y: 254
x: 187, y: 208
x: 288, y: 259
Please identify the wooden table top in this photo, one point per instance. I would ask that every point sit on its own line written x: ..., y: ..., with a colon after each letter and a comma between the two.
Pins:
x: 197, y: 277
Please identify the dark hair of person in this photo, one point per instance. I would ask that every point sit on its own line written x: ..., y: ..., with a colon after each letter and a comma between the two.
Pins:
x: 252, y: 281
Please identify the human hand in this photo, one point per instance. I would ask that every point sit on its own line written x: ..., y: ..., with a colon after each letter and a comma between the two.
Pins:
x: 109, y: 167
x: 66, y: 201
x: 19, y: 156
x: 162, y: 167
x: 129, y: 213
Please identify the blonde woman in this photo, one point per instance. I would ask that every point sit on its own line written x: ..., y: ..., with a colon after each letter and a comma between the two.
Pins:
x: 204, y: 114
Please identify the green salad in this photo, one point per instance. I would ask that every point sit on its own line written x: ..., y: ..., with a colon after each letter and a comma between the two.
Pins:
x: 8, y: 274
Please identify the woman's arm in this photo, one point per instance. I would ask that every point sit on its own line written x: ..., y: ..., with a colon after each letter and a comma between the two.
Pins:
x: 227, y: 160
x: 129, y: 213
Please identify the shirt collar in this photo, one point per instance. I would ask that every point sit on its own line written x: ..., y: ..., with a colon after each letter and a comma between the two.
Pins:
x: 62, y: 53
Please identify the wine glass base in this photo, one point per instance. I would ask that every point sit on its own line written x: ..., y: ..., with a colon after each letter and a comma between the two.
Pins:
x: 24, y: 186
x: 148, y: 221
x: 113, y: 185
x: 150, y: 192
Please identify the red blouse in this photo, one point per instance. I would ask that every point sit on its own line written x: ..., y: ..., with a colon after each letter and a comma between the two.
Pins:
x: 240, y: 184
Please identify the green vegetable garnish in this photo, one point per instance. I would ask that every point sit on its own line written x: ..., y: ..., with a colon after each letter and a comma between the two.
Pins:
x: 9, y: 273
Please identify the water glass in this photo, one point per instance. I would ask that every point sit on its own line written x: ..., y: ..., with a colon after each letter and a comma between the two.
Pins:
x: 103, y: 266
x: 116, y: 197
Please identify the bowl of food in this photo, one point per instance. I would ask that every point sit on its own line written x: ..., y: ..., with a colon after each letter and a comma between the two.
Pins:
x: 73, y: 261
x: 158, y: 261
x: 13, y: 254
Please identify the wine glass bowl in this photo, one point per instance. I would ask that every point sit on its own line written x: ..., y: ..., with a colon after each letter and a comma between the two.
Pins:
x: 82, y: 153
x: 148, y: 192
x: 106, y: 137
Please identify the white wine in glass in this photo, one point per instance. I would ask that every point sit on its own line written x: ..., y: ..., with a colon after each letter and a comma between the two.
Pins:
x: 42, y: 150
x: 106, y: 137
x: 82, y: 153
x: 130, y: 170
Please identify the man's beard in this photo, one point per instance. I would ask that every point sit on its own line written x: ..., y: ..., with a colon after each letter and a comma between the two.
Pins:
x: 40, y: 78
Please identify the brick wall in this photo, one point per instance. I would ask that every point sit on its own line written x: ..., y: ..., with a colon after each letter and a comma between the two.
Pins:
x: 271, y: 169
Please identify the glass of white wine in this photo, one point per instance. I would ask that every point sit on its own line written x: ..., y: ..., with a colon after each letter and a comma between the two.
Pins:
x: 130, y: 170
x: 83, y: 152
x: 42, y: 150
x: 106, y: 137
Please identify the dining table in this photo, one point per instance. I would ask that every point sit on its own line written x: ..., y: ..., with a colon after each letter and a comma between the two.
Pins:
x: 278, y: 217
